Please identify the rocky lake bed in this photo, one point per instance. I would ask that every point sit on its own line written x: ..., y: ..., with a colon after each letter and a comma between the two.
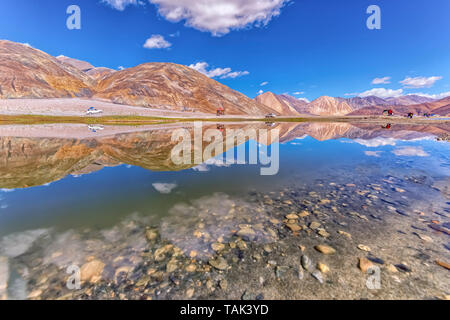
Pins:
x: 292, y: 244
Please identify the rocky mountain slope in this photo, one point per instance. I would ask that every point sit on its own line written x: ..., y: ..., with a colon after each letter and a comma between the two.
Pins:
x: 323, y: 106
x: 439, y: 107
x: 356, y: 106
x: 435, y: 104
x: 297, y: 104
x: 358, y: 102
x: 328, y: 106
x: 280, y: 105
x: 78, y: 64
x: 26, y: 72
x: 100, y: 72
x: 408, y: 100
x: 86, y: 67
x: 443, y: 111
x: 174, y: 87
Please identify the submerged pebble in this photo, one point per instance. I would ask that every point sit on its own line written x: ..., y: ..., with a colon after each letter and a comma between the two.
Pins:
x: 306, y: 262
x: 318, y: 276
x: 324, y: 249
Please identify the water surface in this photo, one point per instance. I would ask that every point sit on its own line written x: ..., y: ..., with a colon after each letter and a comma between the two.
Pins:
x: 89, y: 196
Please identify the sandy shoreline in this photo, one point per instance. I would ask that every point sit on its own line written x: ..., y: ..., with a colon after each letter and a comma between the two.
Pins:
x: 76, y: 107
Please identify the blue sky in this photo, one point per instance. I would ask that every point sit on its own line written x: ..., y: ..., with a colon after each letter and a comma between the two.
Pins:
x: 308, y: 47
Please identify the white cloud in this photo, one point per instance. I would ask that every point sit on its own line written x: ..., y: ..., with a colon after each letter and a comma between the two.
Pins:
x: 410, y: 152
x: 222, y: 73
x: 120, y: 67
x: 382, y: 93
x: 375, y: 154
x: 265, y: 83
x: 213, y: 162
x: 432, y: 96
x: 419, y: 82
x: 219, y: 17
x: 384, y: 80
x: 202, y: 67
x: 164, y: 188
x: 235, y: 74
x: 299, y: 93
x: 260, y: 92
x: 376, y: 142
x: 121, y: 4
x: 157, y: 41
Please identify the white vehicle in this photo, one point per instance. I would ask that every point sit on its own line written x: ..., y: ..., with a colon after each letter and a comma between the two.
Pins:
x: 271, y: 116
x: 92, y: 111
x: 94, y: 128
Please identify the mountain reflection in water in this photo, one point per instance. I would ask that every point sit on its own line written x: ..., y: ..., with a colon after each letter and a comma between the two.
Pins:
x: 38, y: 155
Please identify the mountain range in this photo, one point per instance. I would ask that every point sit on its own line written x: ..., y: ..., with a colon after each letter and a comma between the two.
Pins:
x: 356, y: 106
x: 26, y: 72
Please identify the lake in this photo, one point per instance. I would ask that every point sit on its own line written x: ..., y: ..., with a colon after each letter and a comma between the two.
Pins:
x: 347, y: 211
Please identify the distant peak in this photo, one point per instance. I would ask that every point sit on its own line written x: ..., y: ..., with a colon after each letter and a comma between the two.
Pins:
x: 267, y: 93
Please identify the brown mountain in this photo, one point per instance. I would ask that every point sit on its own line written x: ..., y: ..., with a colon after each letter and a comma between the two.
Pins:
x: 80, y: 65
x: 443, y: 111
x: 409, y: 100
x: 324, y: 106
x: 439, y: 107
x: 280, y: 105
x: 435, y: 104
x: 373, y: 105
x: 26, y: 72
x: 362, y: 102
x: 328, y: 106
x: 358, y: 103
x: 86, y: 67
x: 100, y: 72
x: 174, y: 87
x: 295, y: 103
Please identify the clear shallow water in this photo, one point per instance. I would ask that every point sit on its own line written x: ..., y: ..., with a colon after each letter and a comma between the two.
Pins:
x: 90, y: 189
